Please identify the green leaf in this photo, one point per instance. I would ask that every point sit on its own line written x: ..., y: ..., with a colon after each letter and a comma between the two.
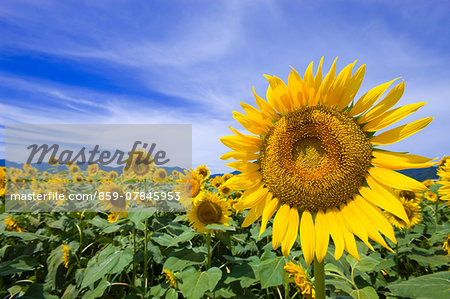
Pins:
x: 196, y: 283
x: 139, y: 215
x: 171, y: 294
x: 365, y: 293
x: 25, y: 236
x: 71, y: 292
x: 18, y: 265
x: 110, y: 260
x: 434, y: 285
x: 179, y: 260
x: 242, y: 273
x: 271, y: 270
x: 98, y: 291
x: 36, y: 291
x: 221, y: 227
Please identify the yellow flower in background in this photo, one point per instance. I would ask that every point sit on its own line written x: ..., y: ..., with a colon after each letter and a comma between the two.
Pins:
x: 2, y: 181
x: 428, y: 183
x: 139, y: 166
x: 444, y: 173
x: 78, y: 177
x: 224, y: 190
x: 413, y: 211
x: 170, y: 278
x: 112, y: 175
x: 12, y: 225
x: 73, y: 169
x: 314, y: 160
x: 216, y: 181
x: 227, y: 176
x: 175, y: 174
x: 300, y: 279
x: 190, y: 187
x: 112, y: 197
x: 209, y: 209
x: 113, y: 217
x: 92, y: 169
x: 203, y: 171
x: 53, y: 161
x: 160, y: 175
x: 446, y: 245
x: 65, y: 257
x: 431, y: 196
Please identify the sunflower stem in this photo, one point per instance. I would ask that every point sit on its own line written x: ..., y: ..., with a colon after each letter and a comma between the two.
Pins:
x: 145, y: 255
x: 436, y: 218
x: 208, y: 247
x: 319, y: 279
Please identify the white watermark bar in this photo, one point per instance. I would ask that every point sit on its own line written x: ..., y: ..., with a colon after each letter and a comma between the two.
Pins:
x: 98, y: 168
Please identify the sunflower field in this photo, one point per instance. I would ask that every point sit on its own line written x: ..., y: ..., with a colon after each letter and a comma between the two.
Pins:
x: 159, y: 255
x: 310, y: 178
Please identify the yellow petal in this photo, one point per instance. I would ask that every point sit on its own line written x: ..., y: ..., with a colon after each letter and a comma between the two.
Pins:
x: 396, y: 180
x: 237, y: 155
x: 239, y: 143
x: 353, y: 87
x: 307, y: 236
x: 390, y: 117
x: 275, y: 91
x: 401, y: 132
x: 268, y: 212
x: 369, y: 225
x: 339, y: 85
x: 244, y: 181
x: 243, y: 166
x: 295, y: 87
x: 354, y: 223
x: 291, y: 233
x: 254, y: 213
x: 387, y: 103
x: 252, y: 125
x: 326, y: 83
x: 369, y: 98
x: 265, y: 107
x: 349, y: 240
x: 318, y: 77
x: 322, y: 235
x: 249, y: 200
x: 399, y: 161
x: 280, y: 224
x: 385, y: 199
x: 377, y: 217
x: 335, y: 233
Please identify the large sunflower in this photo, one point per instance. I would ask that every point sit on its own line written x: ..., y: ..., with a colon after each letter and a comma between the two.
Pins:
x: 314, y: 160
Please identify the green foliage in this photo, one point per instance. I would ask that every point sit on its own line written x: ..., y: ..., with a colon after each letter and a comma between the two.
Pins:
x: 117, y: 260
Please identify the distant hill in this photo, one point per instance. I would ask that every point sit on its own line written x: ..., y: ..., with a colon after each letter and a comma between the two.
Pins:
x: 418, y: 174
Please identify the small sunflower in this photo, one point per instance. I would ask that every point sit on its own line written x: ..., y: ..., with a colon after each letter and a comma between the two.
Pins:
x: 170, y: 278
x: 65, y: 257
x: 113, y: 217
x: 2, y: 181
x: 431, y: 196
x: 446, y: 244
x: 225, y: 191
x: 12, y: 225
x: 313, y: 159
x: 300, y: 279
x: 227, y: 176
x: 139, y: 166
x: 117, y: 201
x: 190, y: 187
x: 53, y: 161
x: 203, y: 171
x: 428, y: 183
x: 160, y: 175
x: 113, y: 175
x: 209, y: 209
x: 73, y: 169
x: 444, y: 173
x: 92, y: 169
x: 413, y: 212
x: 216, y: 181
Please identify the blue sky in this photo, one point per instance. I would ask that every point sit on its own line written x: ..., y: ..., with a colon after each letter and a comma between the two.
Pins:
x: 194, y: 61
